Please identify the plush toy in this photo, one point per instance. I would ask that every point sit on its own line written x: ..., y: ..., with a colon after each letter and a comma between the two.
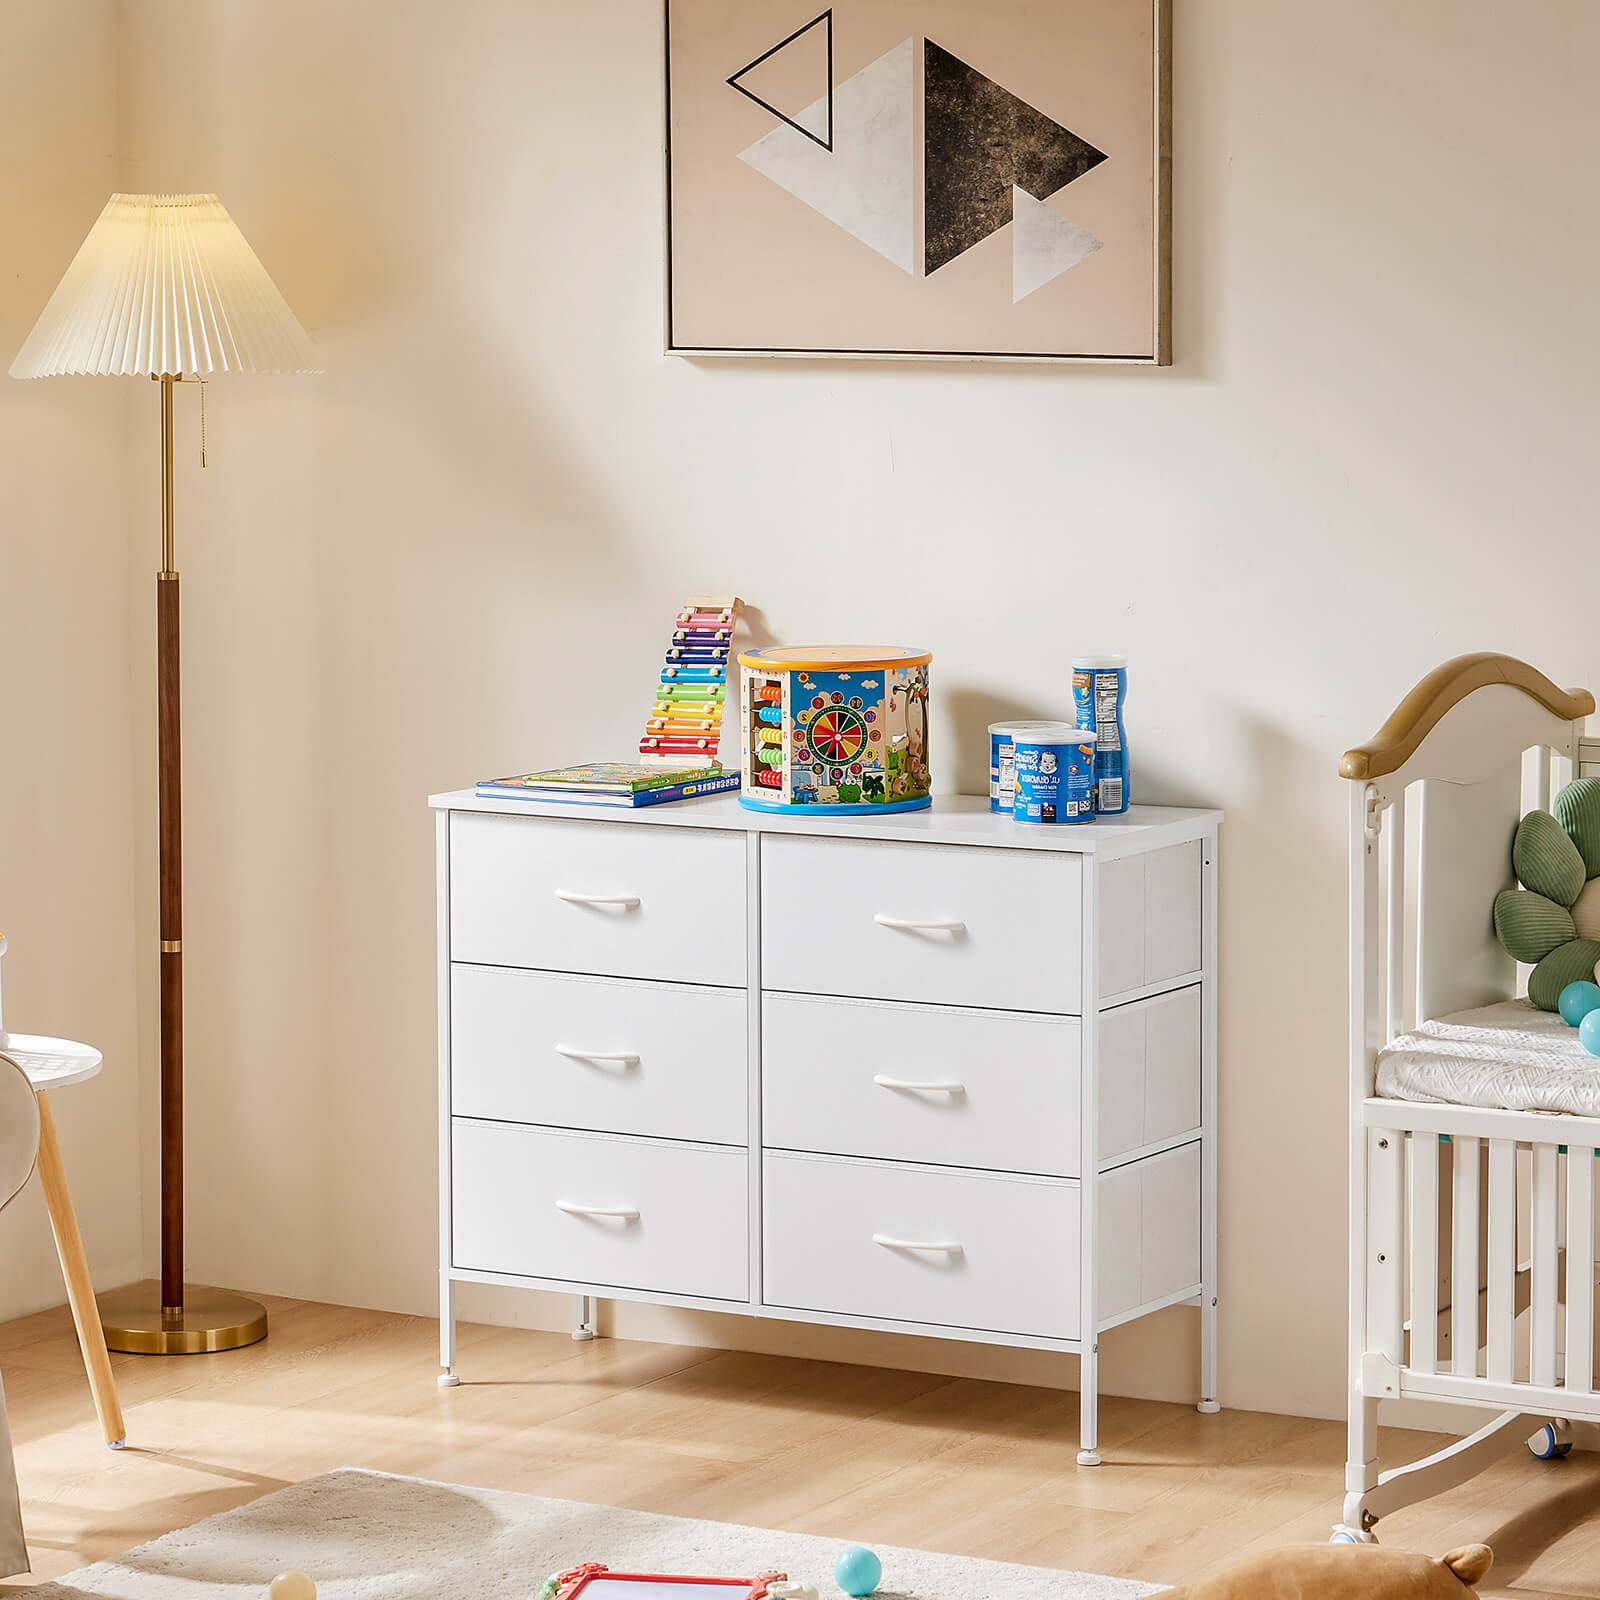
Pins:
x: 1346, y: 1572
x: 1553, y: 921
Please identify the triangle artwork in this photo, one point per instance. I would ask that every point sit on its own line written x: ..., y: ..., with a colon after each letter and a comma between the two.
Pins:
x: 981, y: 142
x: 848, y: 151
x: 804, y: 59
x: 1043, y: 244
x: 865, y: 184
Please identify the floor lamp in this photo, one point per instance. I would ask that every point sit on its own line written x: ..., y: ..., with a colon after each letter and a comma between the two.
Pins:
x: 166, y: 287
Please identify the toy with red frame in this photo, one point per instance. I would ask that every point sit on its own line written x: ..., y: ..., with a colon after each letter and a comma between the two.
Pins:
x: 595, y: 1581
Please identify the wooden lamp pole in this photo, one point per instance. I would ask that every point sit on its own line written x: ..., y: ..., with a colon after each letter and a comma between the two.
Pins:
x: 183, y: 1321
x: 169, y: 784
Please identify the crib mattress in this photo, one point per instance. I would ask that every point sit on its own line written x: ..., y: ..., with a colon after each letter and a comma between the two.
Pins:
x: 1508, y: 1057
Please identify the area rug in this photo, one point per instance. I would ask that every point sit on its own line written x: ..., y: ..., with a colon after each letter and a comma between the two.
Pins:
x: 371, y: 1536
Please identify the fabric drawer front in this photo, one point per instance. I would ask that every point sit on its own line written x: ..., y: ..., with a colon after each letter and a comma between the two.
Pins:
x: 1150, y: 913
x: 1149, y: 1227
x: 1149, y: 1072
x: 949, y: 924
x: 621, y: 899
x: 910, y: 1244
x: 607, y: 1212
x: 662, y: 1059
x: 947, y: 1087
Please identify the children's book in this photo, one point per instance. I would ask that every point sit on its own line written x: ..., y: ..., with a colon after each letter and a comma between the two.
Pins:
x: 607, y: 777
x: 686, y: 788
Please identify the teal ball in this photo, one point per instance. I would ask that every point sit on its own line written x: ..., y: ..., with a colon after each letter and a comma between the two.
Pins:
x: 1589, y: 1033
x: 1577, y: 1001
x: 857, y: 1570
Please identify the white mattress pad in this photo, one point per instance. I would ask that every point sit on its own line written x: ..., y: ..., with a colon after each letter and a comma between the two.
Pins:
x: 1510, y: 1056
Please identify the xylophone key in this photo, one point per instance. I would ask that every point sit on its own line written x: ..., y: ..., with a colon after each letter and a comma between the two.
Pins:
x: 672, y: 674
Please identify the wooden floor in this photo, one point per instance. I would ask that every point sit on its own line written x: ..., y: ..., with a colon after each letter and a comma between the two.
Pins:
x: 857, y: 1453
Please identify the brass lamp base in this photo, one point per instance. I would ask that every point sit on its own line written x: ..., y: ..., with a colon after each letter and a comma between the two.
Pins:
x: 135, y: 1321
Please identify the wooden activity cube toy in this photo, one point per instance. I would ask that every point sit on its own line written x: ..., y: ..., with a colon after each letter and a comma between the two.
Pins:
x: 841, y: 726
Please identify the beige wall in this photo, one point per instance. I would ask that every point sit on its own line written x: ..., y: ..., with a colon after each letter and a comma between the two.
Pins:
x: 66, y: 775
x: 454, y: 554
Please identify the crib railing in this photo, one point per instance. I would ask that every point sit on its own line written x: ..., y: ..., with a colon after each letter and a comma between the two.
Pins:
x: 1481, y: 1257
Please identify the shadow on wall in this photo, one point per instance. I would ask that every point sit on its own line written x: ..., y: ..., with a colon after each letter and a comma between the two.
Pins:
x: 969, y: 713
x: 758, y: 636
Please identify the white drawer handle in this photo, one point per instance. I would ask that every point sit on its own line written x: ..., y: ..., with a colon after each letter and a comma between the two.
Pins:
x: 573, y: 1209
x: 573, y: 898
x: 626, y: 1057
x: 939, y: 1086
x: 948, y: 1247
x: 930, y: 924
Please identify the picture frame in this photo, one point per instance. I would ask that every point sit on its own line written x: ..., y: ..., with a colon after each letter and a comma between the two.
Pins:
x: 875, y: 220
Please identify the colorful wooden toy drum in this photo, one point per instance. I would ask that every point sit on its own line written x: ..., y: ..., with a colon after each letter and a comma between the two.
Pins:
x: 840, y: 726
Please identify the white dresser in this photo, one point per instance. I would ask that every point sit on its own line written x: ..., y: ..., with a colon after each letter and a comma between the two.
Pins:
x: 935, y: 1072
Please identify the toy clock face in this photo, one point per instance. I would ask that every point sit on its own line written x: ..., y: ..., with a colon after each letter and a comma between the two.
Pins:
x: 837, y: 735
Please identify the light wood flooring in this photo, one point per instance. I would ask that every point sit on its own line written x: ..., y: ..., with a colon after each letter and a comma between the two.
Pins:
x: 856, y: 1453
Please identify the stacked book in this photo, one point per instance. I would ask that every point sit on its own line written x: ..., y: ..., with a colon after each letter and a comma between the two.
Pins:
x: 611, y: 783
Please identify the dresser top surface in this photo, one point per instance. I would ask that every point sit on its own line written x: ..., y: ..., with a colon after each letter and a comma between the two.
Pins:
x: 952, y: 819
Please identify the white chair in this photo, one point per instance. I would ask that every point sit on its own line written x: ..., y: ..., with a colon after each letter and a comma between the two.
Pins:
x: 19, y: 1149
x: 51, y: 1063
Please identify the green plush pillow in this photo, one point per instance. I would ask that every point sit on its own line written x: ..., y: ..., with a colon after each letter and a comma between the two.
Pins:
x: 1553, y: 921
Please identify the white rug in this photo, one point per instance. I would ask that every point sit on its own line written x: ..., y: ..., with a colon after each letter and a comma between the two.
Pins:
x: 370, y: 1536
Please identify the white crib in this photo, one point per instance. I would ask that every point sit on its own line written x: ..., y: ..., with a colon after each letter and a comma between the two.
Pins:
x: 1472, y: 1230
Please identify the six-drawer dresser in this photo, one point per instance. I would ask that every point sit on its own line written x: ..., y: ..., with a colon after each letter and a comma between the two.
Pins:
x: 935, y: 1072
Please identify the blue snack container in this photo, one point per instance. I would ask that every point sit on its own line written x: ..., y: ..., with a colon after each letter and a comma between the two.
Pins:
x: 1099, y: 688
x: 1002, y: 749
x: 1054, y: 775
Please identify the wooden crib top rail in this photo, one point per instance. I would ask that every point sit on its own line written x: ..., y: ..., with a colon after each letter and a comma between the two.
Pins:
x: 1445, y: 688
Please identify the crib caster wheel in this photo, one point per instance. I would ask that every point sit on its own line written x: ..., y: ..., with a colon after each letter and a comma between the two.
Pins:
x: 1548, y: 1445
x: 1344, y: 1534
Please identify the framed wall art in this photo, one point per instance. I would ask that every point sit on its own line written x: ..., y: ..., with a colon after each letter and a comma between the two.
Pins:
x: 919, y: 178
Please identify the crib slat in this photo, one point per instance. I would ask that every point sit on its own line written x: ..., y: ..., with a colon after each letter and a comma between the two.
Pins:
x: 1580, y: 1271
x: 1424, y: 1246
x: 1394, y: 844
x: 1502, y: 1259
x: 1545, y: 1212
x: 1464, y: 1261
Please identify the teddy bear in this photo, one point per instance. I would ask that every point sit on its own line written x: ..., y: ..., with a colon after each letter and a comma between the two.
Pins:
x: 1345, y: 1572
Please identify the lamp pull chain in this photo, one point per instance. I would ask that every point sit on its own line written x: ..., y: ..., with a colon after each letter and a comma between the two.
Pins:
x: 202, y: 422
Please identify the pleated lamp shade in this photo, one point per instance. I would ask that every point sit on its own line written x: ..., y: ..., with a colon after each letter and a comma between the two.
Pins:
x: 165, y: 283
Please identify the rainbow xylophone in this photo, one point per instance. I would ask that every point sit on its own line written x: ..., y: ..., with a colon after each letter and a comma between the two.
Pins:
x: 684, y: 728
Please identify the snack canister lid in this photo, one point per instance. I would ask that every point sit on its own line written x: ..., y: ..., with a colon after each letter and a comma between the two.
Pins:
x: 1103, y: 663
x: 1056, y: 733
x: 1023, y: 727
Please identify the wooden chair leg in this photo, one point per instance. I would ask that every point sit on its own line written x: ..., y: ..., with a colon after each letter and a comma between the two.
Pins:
x: 75, y: 1269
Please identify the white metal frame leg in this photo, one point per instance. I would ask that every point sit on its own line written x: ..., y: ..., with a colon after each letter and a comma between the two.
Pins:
x: 447, y: 1332
x: 583, y: 1309
x: 1209, y: 1404
x: 1089, y: 1407
x: 1089, y: 1188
